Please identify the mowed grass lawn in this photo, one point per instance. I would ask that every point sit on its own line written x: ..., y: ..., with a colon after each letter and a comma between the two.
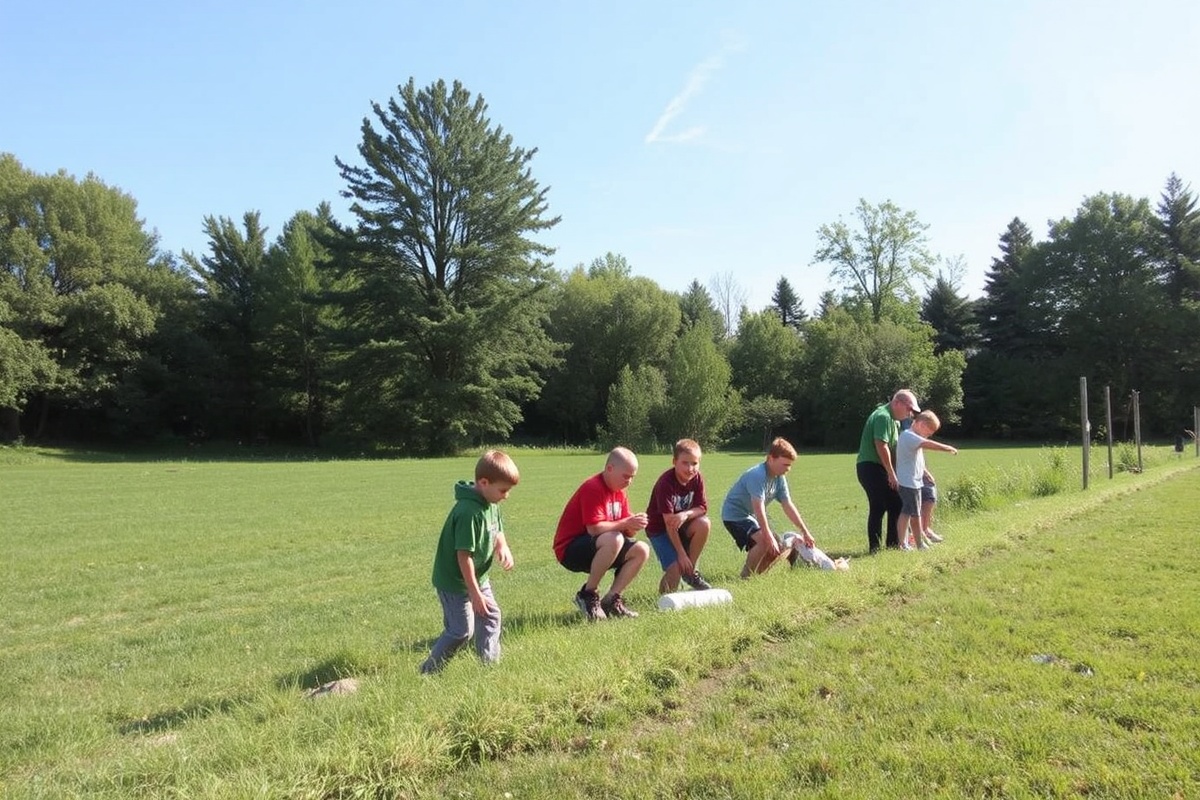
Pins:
x: 162, y: 620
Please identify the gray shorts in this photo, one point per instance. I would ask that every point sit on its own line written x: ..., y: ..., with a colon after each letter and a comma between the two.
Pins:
x: 910, y: 501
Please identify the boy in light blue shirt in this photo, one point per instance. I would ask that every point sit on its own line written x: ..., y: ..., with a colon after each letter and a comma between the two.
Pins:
x: 745, y: 510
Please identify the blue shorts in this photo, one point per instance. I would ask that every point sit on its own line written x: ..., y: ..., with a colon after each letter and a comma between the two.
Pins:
x: 663, y: 548
x: 910, y: 501
x: 928, y: 492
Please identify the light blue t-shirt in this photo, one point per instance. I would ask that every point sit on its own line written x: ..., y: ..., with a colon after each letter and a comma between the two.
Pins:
x: 753, y: 483
x: 910, y: 459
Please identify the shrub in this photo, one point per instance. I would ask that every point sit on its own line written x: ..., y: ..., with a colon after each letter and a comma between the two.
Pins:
x: 1052, y: 477
x: 1127, y: 458
x: 969, y: 492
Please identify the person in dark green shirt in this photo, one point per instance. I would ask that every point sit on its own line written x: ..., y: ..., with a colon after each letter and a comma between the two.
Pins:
x: 876, y: 466
x: 472, y: 537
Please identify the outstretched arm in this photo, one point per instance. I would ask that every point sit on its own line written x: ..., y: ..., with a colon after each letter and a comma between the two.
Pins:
x: 793, y: 513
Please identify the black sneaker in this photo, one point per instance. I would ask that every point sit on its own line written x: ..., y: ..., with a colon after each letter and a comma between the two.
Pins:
x: 614, y: 606
x: 696, y: 581
x: 589, y: 604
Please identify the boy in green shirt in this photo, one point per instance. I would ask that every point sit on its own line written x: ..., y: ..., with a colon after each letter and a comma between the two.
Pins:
x: 472, y: 535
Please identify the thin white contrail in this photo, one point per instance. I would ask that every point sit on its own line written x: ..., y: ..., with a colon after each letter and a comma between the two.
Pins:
x: 696, y: 80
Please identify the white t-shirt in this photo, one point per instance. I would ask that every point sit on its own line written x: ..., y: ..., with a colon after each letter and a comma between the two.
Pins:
x: 910, y: 459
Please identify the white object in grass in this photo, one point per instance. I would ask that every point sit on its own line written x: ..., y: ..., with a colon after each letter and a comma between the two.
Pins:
x: 704, y: 597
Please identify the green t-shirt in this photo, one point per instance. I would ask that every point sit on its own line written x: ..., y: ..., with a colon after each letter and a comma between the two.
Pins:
x: 880, y: 427
x: 472, y: 525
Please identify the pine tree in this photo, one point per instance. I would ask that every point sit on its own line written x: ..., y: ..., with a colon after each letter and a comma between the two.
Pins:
x: 1000, y: 309
x: 787, y: 304
x: 451, y: 289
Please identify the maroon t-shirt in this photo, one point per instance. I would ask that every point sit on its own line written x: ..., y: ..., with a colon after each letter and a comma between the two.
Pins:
x: 669, y: 496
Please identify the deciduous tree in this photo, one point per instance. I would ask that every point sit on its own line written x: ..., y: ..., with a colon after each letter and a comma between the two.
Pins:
x: 880, y: 259
x: 605, y: 319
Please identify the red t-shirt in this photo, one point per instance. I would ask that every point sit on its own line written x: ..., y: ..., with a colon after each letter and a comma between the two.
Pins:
x: 592, y: 502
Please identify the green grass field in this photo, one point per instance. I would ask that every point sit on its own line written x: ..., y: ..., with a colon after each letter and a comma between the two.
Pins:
x: 163, y: 619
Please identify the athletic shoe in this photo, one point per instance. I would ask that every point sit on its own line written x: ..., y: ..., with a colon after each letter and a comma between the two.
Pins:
x: 589, y: 604
x: 922, y: 546
x: 906, y: 546
x: 933, y: 537
x: 614, y: 606
x: 696, y: 581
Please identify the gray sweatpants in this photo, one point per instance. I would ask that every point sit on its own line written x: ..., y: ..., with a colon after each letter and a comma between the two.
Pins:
x: 461, y: 622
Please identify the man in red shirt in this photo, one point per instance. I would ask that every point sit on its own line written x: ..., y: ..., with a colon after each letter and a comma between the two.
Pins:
x: 596, y: 533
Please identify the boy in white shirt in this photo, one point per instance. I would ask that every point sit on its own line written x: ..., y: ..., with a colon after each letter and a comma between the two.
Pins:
x: 911, y: 472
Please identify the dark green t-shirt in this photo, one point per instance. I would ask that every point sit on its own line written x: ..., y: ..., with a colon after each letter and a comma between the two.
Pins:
x: 472, y: 525
x: 880, y: 427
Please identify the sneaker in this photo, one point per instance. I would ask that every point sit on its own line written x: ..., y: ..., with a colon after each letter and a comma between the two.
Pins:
x: 614, y: 606
x: 921, y: 546
x: 906, y: 546
x: 696, y: 581
x: 933, y: 537
x: 589, y: 604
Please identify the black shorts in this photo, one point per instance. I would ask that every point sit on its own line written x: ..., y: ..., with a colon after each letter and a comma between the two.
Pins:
x: 742, y: 531
x: 581, y: 551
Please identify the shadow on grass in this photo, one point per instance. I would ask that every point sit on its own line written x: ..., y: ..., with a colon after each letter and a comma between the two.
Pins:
x: 215, y: 453
x: 173, y: 718
x: 334, y: 668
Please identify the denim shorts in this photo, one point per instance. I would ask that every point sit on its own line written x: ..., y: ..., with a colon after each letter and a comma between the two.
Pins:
x: 663, y: 547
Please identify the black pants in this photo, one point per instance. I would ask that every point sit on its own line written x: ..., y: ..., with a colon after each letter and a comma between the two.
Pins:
x: 881, y: 499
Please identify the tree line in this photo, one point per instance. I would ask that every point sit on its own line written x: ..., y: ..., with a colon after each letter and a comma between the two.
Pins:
x: 435, y: 320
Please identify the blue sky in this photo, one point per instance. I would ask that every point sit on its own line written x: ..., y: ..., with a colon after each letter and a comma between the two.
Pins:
x: 694, y: 138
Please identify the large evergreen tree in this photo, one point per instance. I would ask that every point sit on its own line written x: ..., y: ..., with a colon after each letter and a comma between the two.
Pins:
x: 1177, y: 222
x: 448, y: 299
x: 1000, y: 312
x: 297, y: 326
x: 233, y: 284
x: 1177, y: 251
x: 950, y: 314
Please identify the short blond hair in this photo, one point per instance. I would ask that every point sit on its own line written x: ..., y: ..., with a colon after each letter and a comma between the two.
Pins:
x: 686, y: 446
x: 930, y: 419
x: 496, y: 465
x: 781, y: 447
